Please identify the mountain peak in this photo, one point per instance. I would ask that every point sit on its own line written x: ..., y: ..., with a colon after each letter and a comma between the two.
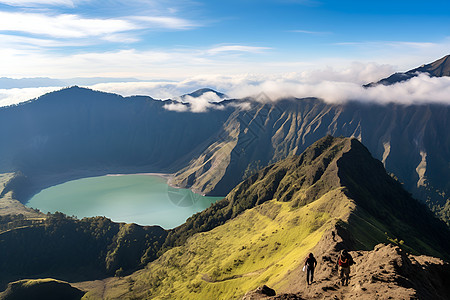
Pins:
x: 438, y: 68
x: 201, y: 92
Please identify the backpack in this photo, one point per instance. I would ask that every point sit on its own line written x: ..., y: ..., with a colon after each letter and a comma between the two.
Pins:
x: 346, y: 261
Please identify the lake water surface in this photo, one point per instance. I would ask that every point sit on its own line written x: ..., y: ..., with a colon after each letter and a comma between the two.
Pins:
x: 141, y: 199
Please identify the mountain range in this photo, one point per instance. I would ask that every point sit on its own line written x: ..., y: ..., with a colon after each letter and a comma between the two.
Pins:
x: 77, y: 132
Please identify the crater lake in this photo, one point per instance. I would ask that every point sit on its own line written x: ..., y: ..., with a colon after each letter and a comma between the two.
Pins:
x: 141, y: 199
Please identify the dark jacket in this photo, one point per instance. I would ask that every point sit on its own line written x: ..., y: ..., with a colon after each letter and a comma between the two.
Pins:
x: 311, y: 262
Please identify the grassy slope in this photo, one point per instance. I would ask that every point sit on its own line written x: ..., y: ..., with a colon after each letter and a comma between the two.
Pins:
x: 261, y: 246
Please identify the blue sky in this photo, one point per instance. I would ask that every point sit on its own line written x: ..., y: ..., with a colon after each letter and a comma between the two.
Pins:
x: 180, y: 40
x: 222, y: 37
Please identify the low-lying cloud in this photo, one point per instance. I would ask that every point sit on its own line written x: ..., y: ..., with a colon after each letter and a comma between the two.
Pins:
x: 420, y: 89
x: 333, y: 88
x: 17, y: 95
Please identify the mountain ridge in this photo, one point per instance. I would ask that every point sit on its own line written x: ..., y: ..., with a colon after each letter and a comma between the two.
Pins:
x: 438, y: 68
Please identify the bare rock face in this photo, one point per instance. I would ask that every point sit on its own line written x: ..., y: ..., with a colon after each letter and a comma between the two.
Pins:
x: 47, y: 289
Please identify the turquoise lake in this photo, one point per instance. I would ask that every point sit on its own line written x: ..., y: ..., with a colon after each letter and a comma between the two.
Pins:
x: 141, y: 199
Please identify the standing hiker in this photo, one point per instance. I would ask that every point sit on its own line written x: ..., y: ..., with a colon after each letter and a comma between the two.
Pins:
x: 310, y: 264
x: 344, y: 262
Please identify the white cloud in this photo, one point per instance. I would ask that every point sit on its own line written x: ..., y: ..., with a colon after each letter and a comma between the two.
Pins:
x: 22, y: 42
x: 356, y: 72
x: 310, y: 32
x: 236, y: 48
x: 203, y: 103
x: 38, y: 2
x: 178, y: 107
x: 421, y: 89
x: 165, y: 22
x: 61, y: 26
x: 15, y: 96
x: 72, y: 26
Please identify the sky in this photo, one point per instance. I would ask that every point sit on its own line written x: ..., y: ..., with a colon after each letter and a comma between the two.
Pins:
x: 174, y: 46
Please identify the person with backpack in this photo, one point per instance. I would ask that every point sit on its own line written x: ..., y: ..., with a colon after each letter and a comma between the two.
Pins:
x: 310, y: 265
x: 344, y: 261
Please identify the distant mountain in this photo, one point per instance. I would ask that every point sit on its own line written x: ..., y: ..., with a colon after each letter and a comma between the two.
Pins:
x: 438, y: 68
x: 334, y: 195
x: 10, y: 83
x: 201, y: 92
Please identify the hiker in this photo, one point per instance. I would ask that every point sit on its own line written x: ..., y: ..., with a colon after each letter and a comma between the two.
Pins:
x: 310, y: 264
x: 344, y: 262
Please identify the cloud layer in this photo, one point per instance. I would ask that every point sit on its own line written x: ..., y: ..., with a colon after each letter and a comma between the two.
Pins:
x: 332, y: 87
